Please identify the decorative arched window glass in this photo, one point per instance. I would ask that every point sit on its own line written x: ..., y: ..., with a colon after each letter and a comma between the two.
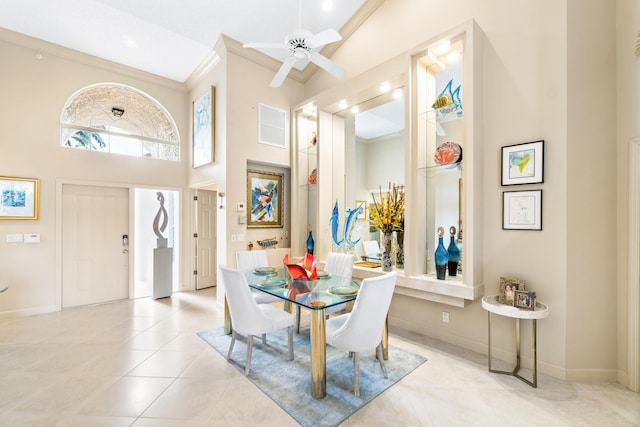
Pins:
x: 115, y: 118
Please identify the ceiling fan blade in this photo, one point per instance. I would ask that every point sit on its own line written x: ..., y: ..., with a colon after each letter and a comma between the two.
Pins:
x: 283, y: 71
x: 323, y: 38
x: 327, y: 64
x: 265, y: 45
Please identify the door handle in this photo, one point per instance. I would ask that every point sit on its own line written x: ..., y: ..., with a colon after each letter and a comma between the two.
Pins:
x: 125, y: 243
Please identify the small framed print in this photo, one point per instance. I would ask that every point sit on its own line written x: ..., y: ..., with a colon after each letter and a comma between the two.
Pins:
x: 523, y: 163
x: 19, y: 198
x: 522, y: 210
x: 524, y: 299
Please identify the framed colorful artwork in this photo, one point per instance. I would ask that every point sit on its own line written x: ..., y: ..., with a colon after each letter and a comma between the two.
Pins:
x: 522, y: 210
x: 264, y: 199
x: 523, y: 163
x: 203, y: 147
x: 19, y: 198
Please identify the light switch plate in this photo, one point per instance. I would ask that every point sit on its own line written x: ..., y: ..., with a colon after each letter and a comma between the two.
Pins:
x: 32, y: 238
x: 14, y: 238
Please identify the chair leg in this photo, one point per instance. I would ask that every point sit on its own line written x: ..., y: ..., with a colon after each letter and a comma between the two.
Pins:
x: 249, y: 348
x: 356, y: 375
x: 381, y: 360
x: 233, y: 341
x: 290, y: 333
x: 297, y: 319
x: 264, y: 339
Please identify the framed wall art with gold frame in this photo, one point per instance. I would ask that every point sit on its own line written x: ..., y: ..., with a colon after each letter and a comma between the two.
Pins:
x: 19, y: 198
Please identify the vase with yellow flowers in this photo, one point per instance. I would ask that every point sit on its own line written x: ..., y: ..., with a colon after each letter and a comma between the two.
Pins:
x: 387, y: 215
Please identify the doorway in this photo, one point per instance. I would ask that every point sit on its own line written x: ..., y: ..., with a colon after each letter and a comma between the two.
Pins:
x: 205, y: 240
x: 95, y: 259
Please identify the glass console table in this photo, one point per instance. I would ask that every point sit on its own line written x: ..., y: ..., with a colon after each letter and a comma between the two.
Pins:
x: 491, y: 304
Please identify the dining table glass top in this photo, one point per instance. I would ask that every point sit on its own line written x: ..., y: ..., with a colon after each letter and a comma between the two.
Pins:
x: 326, y: 291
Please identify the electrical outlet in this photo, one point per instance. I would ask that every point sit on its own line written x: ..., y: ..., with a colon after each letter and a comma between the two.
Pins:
x: 445, y: 316
x: 234, y: 238
x: 240, y: 237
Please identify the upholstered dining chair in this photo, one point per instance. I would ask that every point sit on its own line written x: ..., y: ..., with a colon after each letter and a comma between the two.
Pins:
x: 361, y: 329
x: 249, y: 260
x: 337, y: 264
x: 250, y: 318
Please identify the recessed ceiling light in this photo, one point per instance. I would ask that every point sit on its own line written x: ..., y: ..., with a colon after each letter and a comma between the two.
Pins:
x: 39, y: 56
x: 355, y: 109
x: 397, y: 93
x: 443, y: 47
x: 129, y: 42
x: 453, y: 57
x: 385, y: 86
x: 343, y: 104
x: 327, y: 5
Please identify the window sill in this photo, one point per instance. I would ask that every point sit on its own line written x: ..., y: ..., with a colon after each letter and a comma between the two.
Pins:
x: 450, y: 292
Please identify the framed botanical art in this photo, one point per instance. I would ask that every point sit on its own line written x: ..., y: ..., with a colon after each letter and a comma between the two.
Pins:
x: 203, y: 147
x: 523, y: 163
x: 264, y: 199
x: 19, y: 198
x: 522, y: 210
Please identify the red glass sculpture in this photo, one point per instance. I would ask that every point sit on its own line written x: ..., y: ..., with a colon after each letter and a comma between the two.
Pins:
x: 305, y: 269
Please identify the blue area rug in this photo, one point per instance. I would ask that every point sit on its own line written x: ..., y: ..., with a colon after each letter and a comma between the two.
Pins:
x: 288, y: 383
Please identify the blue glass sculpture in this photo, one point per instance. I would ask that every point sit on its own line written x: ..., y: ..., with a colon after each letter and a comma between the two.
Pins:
x: 310, y: 242
x: 454, y: 253
x: 442, y: 256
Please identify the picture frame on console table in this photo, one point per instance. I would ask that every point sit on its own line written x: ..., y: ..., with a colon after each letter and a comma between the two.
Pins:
x: 523, y: 163
x: 524, y: 299
x: 19, y: 198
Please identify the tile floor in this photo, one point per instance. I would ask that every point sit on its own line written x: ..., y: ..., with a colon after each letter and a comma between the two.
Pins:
x: 140, y: 363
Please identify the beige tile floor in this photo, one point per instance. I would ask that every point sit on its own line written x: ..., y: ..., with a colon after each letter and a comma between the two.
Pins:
x: 140, y: 363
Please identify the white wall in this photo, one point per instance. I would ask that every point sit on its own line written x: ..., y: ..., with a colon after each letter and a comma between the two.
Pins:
x: 533, y: 89
x: 34, y: 92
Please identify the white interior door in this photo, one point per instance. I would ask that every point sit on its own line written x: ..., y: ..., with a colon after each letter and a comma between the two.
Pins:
x: 95, y: 259
x: 206, y: 243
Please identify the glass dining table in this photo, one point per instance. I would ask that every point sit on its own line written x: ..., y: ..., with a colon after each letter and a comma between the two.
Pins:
x: 315, y: 295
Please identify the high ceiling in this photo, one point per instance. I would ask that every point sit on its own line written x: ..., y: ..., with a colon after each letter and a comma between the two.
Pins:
x: 166, y: 37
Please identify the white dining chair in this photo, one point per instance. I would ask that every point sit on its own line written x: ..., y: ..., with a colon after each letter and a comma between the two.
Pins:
x: 340, y: 265
x: 250, y: 260
x: 361, y: 329
x: 250, y: 318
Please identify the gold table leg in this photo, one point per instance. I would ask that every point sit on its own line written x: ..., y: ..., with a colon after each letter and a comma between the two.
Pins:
x: 318, y: 352
x: 385, y: 339
x: 516, y: 369
x: 227, y: 317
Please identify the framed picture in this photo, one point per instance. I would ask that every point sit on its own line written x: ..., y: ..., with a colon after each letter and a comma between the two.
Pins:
x: 203, y: 148
x: 523, y: 163
x: 524, y: 299
x: 264, y: 198
x: 522, y: 210
x: 19, y: 198
x: 508, y: 287
x: 362, y: 215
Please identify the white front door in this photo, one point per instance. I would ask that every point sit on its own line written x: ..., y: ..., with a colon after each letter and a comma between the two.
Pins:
x: 206, y: 242
x: 95, y: 259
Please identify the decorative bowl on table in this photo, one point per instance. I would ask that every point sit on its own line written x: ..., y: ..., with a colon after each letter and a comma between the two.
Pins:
x: 305, y: 269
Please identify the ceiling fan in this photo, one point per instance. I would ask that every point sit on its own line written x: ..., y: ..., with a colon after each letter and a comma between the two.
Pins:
x: 301, y: 44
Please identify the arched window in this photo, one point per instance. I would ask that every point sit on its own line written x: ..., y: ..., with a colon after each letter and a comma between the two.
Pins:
x: 115, y: 118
